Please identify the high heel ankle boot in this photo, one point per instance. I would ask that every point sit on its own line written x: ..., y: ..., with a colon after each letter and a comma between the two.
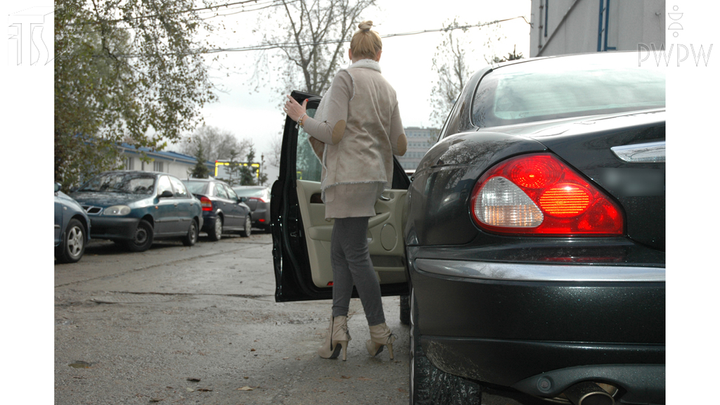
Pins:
x: 336, y: 340
x: 380, y: 336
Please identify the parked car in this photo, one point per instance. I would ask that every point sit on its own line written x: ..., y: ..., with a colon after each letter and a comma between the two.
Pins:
x: 222, y: 209
x: 72, y: 228
x: 258, y: 199
x: 135, y: 208
x: 531, y: 240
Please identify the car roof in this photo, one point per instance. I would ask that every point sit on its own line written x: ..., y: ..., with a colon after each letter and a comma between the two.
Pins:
x: 208, y: 180
x: 143, y: 172
x: 575, y: 58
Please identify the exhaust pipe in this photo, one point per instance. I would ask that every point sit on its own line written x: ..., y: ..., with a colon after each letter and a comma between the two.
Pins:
x: 588, y: 393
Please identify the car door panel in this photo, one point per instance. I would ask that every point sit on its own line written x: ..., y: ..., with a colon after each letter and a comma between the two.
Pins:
x: 384, y: 234
x: 166, y: 219
x: 239, y: 212
x: 183, y: 206
x: 301, y: 235
x: 59, y: 208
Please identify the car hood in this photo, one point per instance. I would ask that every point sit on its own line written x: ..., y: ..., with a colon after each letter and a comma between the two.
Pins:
x: 66, y: 199
x: 107, y: 199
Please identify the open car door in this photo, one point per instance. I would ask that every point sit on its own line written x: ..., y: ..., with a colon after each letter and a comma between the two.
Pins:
x: 301, y: 235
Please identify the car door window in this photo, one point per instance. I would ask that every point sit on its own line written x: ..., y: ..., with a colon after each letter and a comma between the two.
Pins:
x: 179, y: 188
x: 231, y: 194
x: 307, y: 163
x: 164, y: 185
x: 220, y: 191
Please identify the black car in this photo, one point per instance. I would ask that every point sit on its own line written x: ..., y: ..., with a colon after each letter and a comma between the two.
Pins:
x: 258, y: 199
x: 136, y: 208
x: 72, y: 228
x: 531, y: 240
x: 222, y: 209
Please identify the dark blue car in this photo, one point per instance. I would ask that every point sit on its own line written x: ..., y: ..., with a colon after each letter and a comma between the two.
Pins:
x: 135, y: 208
x: 223, y: 210
x: 72, y: 228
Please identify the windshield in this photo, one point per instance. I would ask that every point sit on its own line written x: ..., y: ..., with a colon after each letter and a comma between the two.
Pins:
x: 129, y: 183
x: 555, y: 88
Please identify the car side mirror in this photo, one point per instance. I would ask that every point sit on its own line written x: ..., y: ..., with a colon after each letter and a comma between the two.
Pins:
x: 166, y: 194
x: 242, y: 199
x: 57, y: 187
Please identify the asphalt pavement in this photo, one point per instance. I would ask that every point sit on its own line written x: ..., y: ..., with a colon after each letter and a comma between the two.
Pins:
x: 199, y: 325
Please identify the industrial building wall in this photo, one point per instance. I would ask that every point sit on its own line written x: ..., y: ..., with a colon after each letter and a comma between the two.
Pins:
x: 582, y: 26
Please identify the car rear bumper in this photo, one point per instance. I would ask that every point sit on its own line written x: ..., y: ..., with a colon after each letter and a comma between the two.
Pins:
x: 113, y: 228
x: 261, y: 217
x: 208, y: 221
x: 511, y: 324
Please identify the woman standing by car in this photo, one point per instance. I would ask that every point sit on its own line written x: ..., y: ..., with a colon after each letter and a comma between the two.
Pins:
x: 355, y: 131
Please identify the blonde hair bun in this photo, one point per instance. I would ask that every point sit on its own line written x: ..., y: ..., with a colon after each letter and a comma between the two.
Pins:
x: 365, y: 44
x: 365, y: 25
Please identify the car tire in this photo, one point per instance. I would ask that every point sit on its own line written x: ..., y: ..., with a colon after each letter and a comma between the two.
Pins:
x: 216, y: 232
x: 405, y: 309
x: 143, y: 237
x: 247, y: 229
x: 72, y: 246
x: 430, y: 385
x: 192, y: 235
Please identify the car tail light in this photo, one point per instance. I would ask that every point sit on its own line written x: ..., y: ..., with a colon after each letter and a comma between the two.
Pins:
x: 206, y: 204
x: 256, y: 199
x: 539, y: 194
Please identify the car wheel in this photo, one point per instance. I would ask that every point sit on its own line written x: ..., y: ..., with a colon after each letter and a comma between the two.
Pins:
x: 192, y: 235
x: 72, y: 246
x: 247, y: 229
x: 216, y: 232
x: 429, y: 384
x: 405, y: 309
x: 143, y: 237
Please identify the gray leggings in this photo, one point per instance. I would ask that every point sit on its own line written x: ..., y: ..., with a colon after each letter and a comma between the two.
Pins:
x: 351, y: 263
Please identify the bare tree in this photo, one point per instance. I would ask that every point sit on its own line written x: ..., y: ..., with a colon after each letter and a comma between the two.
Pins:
x: 312, y: 38
x: 216, y: 144
x: 453, y: 72
x: 275, y: 150
x: 450, y: 62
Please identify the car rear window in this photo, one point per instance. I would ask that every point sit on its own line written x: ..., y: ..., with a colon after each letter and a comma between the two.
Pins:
x: 250, y: 192
x: 196, y: 187
x: 564, y: 87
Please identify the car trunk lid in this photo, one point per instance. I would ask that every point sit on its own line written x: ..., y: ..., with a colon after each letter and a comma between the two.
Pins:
x: 625, y: 156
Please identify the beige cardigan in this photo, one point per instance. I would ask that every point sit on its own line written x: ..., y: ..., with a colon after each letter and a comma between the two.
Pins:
x: 355, y: 131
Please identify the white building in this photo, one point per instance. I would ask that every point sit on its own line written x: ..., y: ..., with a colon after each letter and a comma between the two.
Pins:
x: 419, y: 141
x: 582, y: 26
x: 174, y: 163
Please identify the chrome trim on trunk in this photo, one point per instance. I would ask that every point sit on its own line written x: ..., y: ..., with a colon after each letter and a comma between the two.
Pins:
x: 539, y: 272
x: 641, y: 153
